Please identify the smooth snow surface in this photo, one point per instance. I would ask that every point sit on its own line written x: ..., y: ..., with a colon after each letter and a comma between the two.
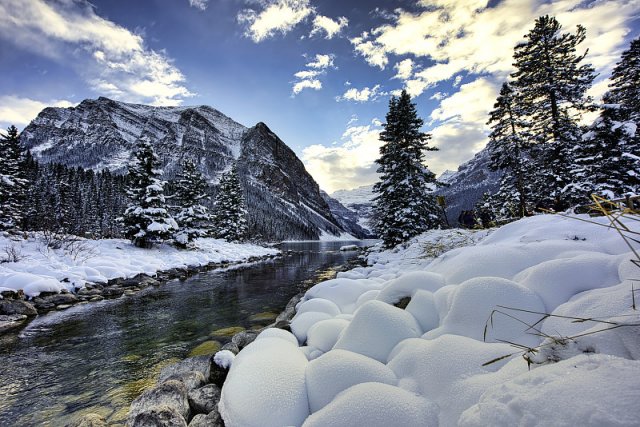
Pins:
x: 41, y: 269
x: 445, y: 359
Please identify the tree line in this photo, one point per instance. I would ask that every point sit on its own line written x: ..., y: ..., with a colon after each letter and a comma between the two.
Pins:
x: 549, y: 160
x: 60, y: 199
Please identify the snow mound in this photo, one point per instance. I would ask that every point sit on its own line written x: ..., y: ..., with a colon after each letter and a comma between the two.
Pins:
x: 343, y: 292
x: 338, y: 370
x: 302, y: 322
x: 278, y: 333
x: 423, y: 308
x: 375, y: 330
x: 324, y: 334
x: 473, y: 303
x: 375, y: 405
x: 266, y: 386
x: 407, y: 285
x: 320, y: 305
x: 541, y: 397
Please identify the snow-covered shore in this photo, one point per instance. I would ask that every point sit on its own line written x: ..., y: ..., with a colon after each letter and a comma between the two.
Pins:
x: 34, y: 268
x: 406, y: 340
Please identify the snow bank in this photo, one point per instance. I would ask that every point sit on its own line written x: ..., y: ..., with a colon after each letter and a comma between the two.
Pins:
x: 444, y: 360
x: 46, y: 270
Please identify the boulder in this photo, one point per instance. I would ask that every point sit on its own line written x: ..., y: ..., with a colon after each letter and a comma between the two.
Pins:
x: 212, y: 419
x: 11, y: 321
x: 157, y: 416
x: 205, y: 399
x: 112, y: 292
x: 191, y: 380
x: 244, y: 338
x: 200, y: 364
x: 167, y: 399
x: 17, y: 306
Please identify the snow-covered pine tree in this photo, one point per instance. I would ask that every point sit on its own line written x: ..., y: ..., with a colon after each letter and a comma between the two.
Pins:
x: 13, y: 181
x: 194, y: 219
x: 604, y: 162
x: 508, y: 147
x: 551, y: 84
x: 625, y: 85
x: 404, y: 204
x: 230, y: 213
x: 146, y: 219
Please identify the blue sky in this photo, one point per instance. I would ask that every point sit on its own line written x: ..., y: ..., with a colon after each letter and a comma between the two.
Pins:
x: 319, y: 73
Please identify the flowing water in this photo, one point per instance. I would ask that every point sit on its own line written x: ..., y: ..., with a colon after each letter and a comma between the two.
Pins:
x: 97, y: 358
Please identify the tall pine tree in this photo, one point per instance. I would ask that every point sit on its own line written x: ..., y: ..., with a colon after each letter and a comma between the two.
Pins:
x: 230, y: 214
x: 508, y: 147
x: 404, y: 204
x: 625, y: 85
x: 551, y: 83
x: 194, y: 219
x: 13, y: 181
x: 146, y: 219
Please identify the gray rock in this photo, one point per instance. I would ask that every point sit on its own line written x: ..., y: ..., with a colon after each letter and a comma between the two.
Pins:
x: 232, y: 347
x: 244, y: 338
x: 62, y: 298
x: 90, y: 291
x: 200, y: 364
x: 191, y: 380
x: 112, y: 292
x: 212, y: 419
x: 158, y: 416
x: 11, y: 321
x: 171, y: 394
x: 218, y: 374
x: 88, y: 420
x: 16, y: 306
x: 205, y: 399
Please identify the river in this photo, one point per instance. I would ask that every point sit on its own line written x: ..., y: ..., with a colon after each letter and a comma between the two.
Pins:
x: 98, y: 357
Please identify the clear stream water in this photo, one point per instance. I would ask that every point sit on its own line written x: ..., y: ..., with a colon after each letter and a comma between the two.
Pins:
x: 99, y: 357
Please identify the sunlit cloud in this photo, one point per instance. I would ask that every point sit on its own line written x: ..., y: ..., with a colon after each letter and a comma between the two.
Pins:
x: 350, y: 162
x: 328, y: 26
x: 361, y: 95
x: 113, y: 60
x: 20, y: 111
x: 309, y: 78
x: 273, y: 16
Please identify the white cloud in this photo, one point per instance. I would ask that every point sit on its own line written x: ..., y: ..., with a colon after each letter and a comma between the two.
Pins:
x: 104, y: 53
x: 327, y: 25
x: 20, y: 111
x: 199, y: 4
x: 404, y: 69
x: 273, y: 16
x: 322, y: 61
x: 308, y: 79
x: 349, y: 164
x: 362, y: 95
x: 306, y: 84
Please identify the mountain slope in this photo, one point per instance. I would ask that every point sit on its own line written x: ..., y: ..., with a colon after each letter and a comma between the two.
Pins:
x: 284, y: 201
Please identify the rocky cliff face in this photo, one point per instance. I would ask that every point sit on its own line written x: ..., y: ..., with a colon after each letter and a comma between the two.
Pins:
x: 284, y: 201
x: 466, y: 186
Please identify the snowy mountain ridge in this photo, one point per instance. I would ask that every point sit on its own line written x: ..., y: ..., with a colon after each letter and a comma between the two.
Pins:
x: 284, y: 201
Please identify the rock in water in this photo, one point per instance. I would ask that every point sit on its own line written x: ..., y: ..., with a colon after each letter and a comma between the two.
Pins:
x: 163, y: 402
x: 158, y: 416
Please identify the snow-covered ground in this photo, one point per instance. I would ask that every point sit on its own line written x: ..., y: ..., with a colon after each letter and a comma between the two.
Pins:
x: 356, y: 359
x: 39, y: 269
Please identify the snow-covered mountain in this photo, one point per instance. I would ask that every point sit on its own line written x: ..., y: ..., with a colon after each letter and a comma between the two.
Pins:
x: 284, y: 201
x: 466, y: 186
x: 360, y: 201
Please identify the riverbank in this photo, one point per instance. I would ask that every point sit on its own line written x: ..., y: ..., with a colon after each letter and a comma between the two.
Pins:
x: 36, y: 278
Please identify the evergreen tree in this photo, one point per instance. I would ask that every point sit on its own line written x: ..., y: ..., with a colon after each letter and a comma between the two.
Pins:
x: 508, y: 145
x: 551, y: 85
x: 230, y: 214
x: 625, y: 85
x: 404, y: 205
x: 146, y: 219
x: 13, y: 181
x: 194, y: 219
